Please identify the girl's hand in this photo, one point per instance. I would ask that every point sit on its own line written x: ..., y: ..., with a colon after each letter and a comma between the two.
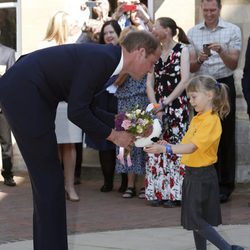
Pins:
x: 166, y: 101
x: 162, y: 142
x: 155, y: 149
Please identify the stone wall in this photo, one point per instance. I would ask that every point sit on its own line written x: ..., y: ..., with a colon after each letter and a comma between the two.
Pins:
x: 35, y: 16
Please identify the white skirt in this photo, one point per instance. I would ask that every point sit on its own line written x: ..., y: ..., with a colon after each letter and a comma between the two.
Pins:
x: 66, y: 131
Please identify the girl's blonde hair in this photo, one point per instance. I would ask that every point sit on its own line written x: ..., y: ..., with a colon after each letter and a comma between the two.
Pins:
x: 58, y: 28
x: 220, y: 102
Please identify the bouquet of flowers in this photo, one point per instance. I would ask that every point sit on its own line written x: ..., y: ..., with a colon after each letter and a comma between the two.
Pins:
x: 140, y: 123
x: 137, y: 121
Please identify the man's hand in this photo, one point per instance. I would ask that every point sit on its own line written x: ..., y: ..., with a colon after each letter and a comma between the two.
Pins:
x: 121, y: 138
x: 216, y: 47
x: 202, y: 57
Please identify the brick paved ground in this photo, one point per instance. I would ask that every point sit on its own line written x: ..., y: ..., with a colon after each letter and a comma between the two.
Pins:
x: 98, y: 211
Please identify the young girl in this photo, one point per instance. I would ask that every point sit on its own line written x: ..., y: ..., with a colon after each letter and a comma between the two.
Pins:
x: 200, y: 195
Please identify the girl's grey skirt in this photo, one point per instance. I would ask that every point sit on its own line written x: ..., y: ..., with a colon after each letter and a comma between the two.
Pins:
x: 200, y: 198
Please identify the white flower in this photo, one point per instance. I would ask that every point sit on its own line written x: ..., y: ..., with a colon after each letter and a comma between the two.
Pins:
x: 138, y: 111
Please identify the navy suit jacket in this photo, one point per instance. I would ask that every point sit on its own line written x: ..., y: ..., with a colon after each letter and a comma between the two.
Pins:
x: 75, y: 73
x: 246, y: 77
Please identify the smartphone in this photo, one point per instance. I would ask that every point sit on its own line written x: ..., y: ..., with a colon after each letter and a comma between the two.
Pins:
x: 91, y: 4
x: 128, y: 7
x: 206, y: 50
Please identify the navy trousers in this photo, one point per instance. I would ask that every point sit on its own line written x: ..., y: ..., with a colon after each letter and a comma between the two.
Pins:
x: 226, y: 153
x: 46, y: 175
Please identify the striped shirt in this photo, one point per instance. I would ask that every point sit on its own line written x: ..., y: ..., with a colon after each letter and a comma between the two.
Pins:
x: 226, y: 34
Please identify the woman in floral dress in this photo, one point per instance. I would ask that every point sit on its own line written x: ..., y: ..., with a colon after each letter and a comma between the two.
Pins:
x: 164, y: 173
x: 130, y: 95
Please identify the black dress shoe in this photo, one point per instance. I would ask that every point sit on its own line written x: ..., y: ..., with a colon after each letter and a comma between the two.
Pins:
x: 235, y: 247
x: 224, y: 198
x: 106, y: 188
x: 9, y: 182
x: 155, y: 203
x: 171, y: 204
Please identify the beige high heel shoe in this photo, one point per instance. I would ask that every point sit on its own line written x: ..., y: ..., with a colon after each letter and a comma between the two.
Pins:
x: 71, y: 196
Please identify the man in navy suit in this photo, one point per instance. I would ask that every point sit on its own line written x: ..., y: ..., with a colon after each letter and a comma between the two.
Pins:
x: 7, y: 59
x: 246, y: 78
x: 29, y: 94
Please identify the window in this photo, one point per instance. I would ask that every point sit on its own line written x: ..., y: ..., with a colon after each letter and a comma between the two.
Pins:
x: 8, y: 1
x: 8, y: 23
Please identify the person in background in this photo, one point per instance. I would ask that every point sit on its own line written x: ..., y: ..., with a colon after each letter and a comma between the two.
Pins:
x: 121, y: 14
x: 100, y: 14
x: 143, y: 15
x: 246, y: 78
x: 109, y: 34
x: 132, y: 94
x: 7, y: 28
x: 85, y: 35
x: 102, y: 10
x: 200, y: 204
x: 78, y: 165
x: 61, y: 30
x: 82, y: 34
x: 215, y: 50
x: 7, y: 59
x: 165, y: 173
x: 135, y: 17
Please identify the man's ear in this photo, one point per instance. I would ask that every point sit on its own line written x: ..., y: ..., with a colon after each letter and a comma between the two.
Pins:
x: 142, y: 52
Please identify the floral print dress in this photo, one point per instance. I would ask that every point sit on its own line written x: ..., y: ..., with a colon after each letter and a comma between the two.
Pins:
x: 130, y: 95
x: 164, y: 172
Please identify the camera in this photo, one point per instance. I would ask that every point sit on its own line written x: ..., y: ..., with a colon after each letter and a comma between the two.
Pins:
x: 206, y: 50
x: 128, y: 7
x: 91, y: 4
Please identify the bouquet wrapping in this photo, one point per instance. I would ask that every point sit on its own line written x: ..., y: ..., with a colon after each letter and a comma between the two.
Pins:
x: 141, y: 142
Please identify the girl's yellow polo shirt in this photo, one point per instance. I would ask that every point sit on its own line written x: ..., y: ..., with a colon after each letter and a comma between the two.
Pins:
x: 204, y: 132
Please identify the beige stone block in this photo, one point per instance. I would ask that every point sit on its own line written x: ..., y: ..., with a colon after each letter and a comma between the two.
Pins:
x: 184, y: 16
x: 236, y: 13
